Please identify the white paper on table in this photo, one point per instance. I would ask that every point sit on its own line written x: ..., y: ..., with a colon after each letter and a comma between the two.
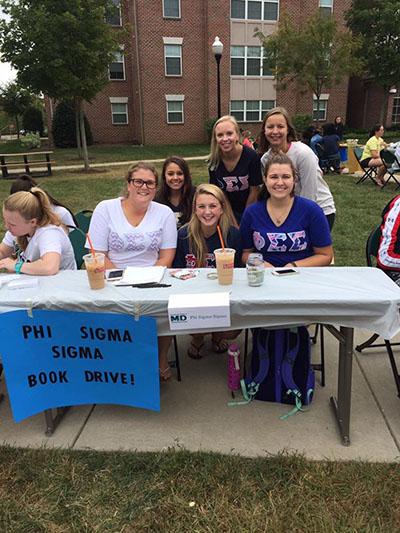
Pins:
x: 137, y: 275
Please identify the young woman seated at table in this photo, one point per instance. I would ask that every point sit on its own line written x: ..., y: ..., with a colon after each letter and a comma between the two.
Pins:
x: 36, y: 242
x: 25, y: 182
x: 288, y: 230
x: 371, y: 154
x: 133, y: 230
x: 197, y: 241
x: 176, y: 190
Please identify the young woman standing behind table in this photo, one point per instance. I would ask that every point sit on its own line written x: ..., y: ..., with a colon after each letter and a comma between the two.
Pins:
x: 197, y: 241
x: 371, y: 154
x: 232, y: 167
x: 35, y: 236
x: 135, y: 231
x: 176, y: 190
x: 339, y: 126
x: 288, y: 230
x: 278, y: 135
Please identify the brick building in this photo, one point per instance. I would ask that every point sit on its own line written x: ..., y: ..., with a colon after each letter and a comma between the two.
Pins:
x: 163, y: 84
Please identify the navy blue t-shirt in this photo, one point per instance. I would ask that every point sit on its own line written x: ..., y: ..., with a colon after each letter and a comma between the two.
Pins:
x: 184, y: 258
x: 236, y: 184
x: 330, y: 144
x: 305, y: 227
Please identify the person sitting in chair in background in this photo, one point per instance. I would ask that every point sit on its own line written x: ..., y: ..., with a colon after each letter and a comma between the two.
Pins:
x: 370, y: 156
x: 330, y: 143
x: 388, y: 258
x: 25, y: 182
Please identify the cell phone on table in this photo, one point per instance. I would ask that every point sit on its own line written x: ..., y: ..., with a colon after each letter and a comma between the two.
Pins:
x: 284, y: 272
x: 115, y: 274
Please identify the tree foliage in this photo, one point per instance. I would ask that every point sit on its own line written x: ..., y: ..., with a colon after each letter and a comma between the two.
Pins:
x: 59, y: 47
x: 32, y: 120
x: 64, y: 126
x: 377, y: 24
x: 316, y: 56
x: 14, y: 100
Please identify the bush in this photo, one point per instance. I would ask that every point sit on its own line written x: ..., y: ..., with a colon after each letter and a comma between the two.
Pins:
x: 301, y: 122
x: 64, y: 129
x: 30, y: 140
x: 209, y: 124
x: 32, y: 120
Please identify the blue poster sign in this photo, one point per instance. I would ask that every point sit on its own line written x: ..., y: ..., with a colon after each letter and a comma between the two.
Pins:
x: 62, y: 358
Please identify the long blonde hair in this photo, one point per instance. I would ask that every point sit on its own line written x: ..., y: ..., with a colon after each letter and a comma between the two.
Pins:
x: 197, y: 242
x: 32, y: 204
x: 215, y: 156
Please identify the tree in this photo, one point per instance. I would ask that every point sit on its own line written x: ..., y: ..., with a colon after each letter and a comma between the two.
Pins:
x: 316, y: 56
x: 14, y: 101
x: 377, y: 23
x: 61, y: 48
x: 32, y: 120
x: 64, y: 126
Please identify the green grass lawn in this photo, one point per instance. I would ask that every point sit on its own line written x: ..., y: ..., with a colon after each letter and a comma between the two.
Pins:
x: 177, y: 491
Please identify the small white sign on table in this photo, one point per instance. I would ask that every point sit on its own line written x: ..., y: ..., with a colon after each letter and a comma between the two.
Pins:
x: 199, y: 311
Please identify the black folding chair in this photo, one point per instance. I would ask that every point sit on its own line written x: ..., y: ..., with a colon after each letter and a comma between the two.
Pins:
x: 83, y: 219
x: 371, y: 251
x: 389, y: 159
x: 369, y: 172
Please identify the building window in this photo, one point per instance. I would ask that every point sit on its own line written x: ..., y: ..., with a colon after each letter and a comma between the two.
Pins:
x: 173, y: 59
x: 396, y: 110
x: 116, y: 69
x: 175, y: 108
x: 114, y: 18
x: 323, y: 106
x: 249, y: 61
x: 250, y: 110
x: 255, y: 9
x: 172, y: 9
x: 119, y: 113
x: 326, y: 7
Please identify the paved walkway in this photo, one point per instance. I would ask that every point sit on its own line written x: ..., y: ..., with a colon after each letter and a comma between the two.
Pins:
x: 195, y: 415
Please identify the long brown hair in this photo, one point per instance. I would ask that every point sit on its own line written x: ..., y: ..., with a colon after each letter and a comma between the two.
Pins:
x: 291, y: 136
x: 32, y: 204
x: 197, y: 242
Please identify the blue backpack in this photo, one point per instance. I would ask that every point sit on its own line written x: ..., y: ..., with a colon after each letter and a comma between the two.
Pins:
x: 281, y: 368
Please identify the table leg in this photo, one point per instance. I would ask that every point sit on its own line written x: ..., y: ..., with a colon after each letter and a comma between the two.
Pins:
x: 53, y: 421
x: 48, y: 164
x: 342, y: 406
x: 3, y: 165
x: 26, y: 164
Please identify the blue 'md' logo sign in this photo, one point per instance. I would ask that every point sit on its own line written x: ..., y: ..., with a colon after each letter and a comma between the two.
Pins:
x: 179, y: 318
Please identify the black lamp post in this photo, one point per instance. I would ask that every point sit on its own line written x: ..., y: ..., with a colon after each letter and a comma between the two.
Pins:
x: 217, y: 48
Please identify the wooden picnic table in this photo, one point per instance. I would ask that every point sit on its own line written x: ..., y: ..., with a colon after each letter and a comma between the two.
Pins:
x: 25, y: 160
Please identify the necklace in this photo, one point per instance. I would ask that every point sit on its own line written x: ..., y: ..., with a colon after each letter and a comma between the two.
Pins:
x: 279, y: 215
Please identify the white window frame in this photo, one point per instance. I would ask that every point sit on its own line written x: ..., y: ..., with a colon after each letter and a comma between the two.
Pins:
x: 242, y: 106
x: 117, y: 4
x: 323, y: 107
x: 172, y: 16
x: 175, y: 98
x: 326, y: 7
x: 396, y: 110
x: 119, y: 57
x: 246, y: 58
x: 119, y: 100
x: 176, y: 42
x: 263, y: 7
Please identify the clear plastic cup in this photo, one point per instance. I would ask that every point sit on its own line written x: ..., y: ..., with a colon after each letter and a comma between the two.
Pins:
x: 95, y: 268
x: 225, y: 260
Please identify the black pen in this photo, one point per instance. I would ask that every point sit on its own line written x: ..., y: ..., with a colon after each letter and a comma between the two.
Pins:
x: 150, y: 285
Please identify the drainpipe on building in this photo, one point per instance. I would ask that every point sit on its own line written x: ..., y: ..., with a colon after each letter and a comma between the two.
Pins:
x: 139, y: 85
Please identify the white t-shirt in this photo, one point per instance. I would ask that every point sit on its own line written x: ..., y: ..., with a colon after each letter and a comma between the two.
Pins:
x: 64, y: 214
x: 46, y: 239
x: 128, y: 245
x: 310, y: 182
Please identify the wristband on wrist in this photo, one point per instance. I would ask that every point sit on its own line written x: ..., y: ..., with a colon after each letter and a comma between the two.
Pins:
x: 294, y: 263
x: 18, y: 266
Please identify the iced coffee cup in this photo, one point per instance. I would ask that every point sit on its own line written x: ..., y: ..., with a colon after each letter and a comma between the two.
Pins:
x: 225, y: 259
x: 95, y: 269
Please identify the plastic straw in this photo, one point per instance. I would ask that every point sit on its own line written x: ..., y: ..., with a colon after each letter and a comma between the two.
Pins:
x: 220, y: 237
x: 91, y: 245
